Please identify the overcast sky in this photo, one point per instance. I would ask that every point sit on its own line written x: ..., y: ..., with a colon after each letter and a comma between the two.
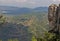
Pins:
x: 28, y: 3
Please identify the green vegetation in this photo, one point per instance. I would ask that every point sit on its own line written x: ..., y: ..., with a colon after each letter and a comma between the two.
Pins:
x: 15, y: 39
x: 47, y: 37
x: 34, y: 38
x: 36, y: 23
x: 0, y: 40
x: 2, y: 19
x: 31, y: 27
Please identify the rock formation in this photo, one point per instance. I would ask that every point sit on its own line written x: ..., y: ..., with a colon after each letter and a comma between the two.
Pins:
x: 54, y: 18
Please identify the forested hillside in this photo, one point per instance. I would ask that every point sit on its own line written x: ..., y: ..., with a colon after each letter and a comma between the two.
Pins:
x: 23, y: 27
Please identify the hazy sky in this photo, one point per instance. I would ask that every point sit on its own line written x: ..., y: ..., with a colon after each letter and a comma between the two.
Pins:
x: 28, y: 3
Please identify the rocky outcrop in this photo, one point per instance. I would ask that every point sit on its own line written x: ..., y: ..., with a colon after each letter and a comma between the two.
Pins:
x: 54, y: 18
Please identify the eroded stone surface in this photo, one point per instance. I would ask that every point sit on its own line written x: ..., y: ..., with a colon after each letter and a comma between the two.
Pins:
x: 54, y: 18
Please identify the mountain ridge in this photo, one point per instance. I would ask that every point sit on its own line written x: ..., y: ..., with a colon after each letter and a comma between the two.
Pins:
x: 17, y: 10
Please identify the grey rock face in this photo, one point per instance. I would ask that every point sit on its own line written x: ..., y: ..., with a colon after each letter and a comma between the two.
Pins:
x: 54, y: 18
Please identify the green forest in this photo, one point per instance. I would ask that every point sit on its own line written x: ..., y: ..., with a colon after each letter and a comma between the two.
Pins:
x: 26, y: 27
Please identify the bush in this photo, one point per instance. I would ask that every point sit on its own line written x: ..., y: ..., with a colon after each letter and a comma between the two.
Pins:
x: 50, y: 37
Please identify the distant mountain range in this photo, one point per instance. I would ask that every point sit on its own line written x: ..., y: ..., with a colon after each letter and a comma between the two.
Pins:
x: 17, y: 10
